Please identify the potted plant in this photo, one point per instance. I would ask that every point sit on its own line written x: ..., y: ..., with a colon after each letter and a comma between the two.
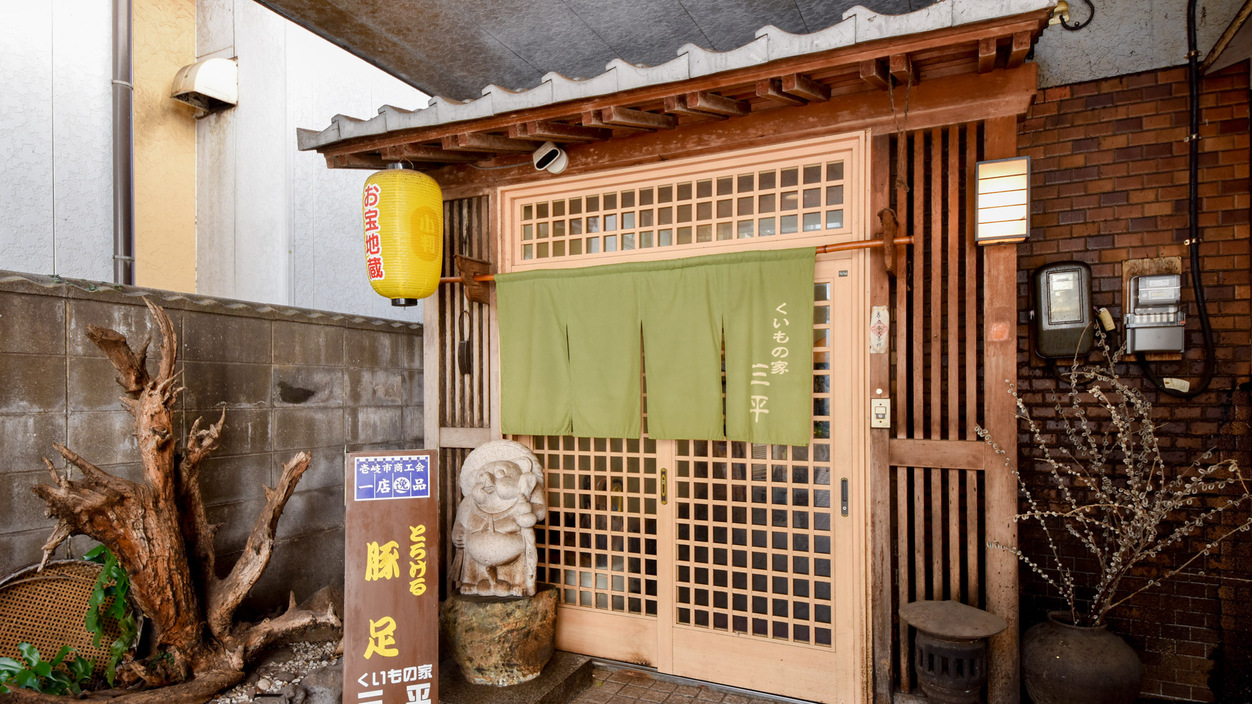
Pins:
x: 1117, y: 499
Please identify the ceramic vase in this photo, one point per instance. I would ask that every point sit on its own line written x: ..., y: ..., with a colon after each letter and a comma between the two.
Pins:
x: 1067, y: 664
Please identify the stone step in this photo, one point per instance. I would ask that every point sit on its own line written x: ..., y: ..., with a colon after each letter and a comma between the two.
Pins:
x: 564, y: 677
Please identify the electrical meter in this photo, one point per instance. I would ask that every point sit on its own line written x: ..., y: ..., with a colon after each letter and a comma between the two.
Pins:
x: 1155, y: 321
x: 1062, y: 310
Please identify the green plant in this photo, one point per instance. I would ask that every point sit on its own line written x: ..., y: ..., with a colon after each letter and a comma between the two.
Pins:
x: 59, y: 675
x: 1114, y: 494
x: 109, y: 600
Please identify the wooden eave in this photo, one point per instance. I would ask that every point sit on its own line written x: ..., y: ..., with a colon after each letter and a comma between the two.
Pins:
x: 861, y: 74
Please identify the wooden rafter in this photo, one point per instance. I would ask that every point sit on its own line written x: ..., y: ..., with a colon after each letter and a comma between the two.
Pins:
x: 1021, y: 47
x: 591, y: 118
x: 717, y: 104
x: 873, y: 73
x: 422, y: 152
x: 771, y: 89
x: 639, y: 119
x: 480, y: 142
x: 355, y: 161
x: 677, y: 105
x: 802, y: 86
x: 546, y: 130
x: 902, y: 69
x: 986, y: 54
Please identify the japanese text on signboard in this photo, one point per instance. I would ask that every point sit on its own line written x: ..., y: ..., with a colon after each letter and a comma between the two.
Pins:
x: 391, y: 629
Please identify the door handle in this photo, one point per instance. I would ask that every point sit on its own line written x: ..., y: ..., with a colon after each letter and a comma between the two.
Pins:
x: 843, y: 497
x: 664, y: 486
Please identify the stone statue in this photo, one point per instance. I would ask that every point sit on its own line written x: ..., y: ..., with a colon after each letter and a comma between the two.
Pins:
x: 494, y: 534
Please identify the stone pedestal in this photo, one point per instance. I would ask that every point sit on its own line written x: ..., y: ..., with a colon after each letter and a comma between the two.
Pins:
x: 500, y: 641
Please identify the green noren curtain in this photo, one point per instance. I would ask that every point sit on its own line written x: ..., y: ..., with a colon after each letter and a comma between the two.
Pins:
x: 570, y: 344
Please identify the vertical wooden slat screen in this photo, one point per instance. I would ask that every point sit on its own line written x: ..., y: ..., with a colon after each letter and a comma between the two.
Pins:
x: 464, y: 399
x: 938, y: 494
x: 450, y: 461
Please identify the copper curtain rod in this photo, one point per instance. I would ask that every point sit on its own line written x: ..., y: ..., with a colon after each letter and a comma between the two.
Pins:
x: 824, y: 249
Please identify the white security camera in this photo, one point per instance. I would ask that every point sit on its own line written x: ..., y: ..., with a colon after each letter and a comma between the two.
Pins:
x: 549, y: 157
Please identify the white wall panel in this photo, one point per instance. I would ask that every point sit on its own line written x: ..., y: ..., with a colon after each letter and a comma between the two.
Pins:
x: 26, y: 156
x: 82, y: 139
x: 261, y: 198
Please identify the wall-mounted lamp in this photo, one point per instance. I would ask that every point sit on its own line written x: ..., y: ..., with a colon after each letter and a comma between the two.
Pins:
x: 1003, y: 200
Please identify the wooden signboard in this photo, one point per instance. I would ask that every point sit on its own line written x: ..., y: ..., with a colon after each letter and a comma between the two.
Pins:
x: 391, y: 588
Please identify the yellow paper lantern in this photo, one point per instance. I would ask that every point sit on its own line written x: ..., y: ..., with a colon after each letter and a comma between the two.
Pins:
x: 402, y: 211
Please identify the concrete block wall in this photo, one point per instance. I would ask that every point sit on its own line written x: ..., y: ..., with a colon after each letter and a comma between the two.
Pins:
x: 1109, y: 184
x: 288, y: 380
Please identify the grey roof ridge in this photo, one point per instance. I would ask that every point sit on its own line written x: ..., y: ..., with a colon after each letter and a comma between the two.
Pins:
x: 859, y: 25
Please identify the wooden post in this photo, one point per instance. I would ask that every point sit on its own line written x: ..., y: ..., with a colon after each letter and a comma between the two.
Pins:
x: 879, y: 467
x: 999, y: 417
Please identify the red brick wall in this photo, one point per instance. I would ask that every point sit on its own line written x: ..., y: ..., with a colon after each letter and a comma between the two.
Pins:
x: 1109, y: 183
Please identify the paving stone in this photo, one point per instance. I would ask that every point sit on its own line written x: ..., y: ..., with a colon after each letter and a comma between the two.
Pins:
x: 709, y: 695
x: 686, y: 690
x: 663, y: 686
x: 653, y: 694
x: 633, y: 691
x: 597, y: 695
x: 736, y: 699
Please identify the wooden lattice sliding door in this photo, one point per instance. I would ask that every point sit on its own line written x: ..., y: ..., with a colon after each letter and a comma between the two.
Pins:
x: 768, y: 554
x: 723, y: 561
x: 726, y: 561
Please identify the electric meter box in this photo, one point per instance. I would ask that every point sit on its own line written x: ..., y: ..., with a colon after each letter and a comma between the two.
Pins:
x: 1155, y: 321
x: 1062, y: 314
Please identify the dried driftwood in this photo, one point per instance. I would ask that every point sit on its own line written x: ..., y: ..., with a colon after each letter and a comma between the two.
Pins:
x: 158, y: 531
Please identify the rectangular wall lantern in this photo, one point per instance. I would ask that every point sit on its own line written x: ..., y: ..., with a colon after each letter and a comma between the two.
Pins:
x: 1003, y: 203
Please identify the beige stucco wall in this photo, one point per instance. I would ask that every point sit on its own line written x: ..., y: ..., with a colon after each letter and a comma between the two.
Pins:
x: 165, y: 147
